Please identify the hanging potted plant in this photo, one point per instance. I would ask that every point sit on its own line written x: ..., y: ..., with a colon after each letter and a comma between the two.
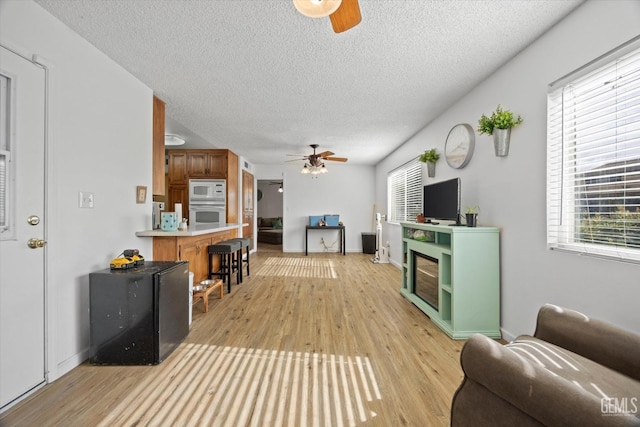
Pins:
x: 430, y: 157
x: 499, y: 125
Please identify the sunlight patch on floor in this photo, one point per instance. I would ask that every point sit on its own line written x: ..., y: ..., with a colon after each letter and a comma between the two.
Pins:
x: 216, y: 386
x: 298, y: 267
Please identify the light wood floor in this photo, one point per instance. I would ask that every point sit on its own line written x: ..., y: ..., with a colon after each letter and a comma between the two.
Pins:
x: 323, y: 340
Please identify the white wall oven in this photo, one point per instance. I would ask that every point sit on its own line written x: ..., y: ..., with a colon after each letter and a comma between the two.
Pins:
x: 201, y: 215
x: 207, y: 202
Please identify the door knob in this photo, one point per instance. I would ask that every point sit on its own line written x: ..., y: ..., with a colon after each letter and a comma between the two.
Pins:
x: 36, y: 243
x: 33, y: 220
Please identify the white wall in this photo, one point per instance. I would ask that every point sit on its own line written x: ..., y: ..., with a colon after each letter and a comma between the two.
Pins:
x: 347, y: 190
x: 511, y: 191
x: 100, y: 141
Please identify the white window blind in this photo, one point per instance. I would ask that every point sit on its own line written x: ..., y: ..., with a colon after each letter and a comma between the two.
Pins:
x: 4, y: 217
x: 5, y: 160
x: 405, y: 192
x: 593, y: 157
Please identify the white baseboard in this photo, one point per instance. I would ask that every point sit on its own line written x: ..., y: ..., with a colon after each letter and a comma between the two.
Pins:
x: 507, y: 336
x: 67, y: 365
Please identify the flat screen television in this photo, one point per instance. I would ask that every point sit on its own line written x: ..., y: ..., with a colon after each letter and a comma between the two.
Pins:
x: 442, y: 200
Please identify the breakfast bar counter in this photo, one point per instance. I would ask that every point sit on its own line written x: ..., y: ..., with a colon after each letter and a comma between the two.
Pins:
x: 195, y: 230
x: 190, y: 245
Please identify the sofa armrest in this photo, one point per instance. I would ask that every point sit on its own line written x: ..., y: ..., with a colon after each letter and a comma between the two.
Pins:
x: 594, y: 339
x: 532, y: 389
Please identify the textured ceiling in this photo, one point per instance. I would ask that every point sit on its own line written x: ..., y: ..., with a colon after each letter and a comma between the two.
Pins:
x: 261, y: 79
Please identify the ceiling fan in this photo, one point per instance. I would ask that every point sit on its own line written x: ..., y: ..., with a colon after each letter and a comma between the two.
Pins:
x: 280, y: 190
x: 344, y: 14
x: 315, y: 162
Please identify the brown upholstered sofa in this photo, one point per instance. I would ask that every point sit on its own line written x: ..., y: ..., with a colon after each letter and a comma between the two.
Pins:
x: 574, y: 371
x: 270, y: 230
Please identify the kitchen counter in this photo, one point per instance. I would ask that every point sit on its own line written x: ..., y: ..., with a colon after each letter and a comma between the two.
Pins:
x: 195, y: 230
x: 191, y: 245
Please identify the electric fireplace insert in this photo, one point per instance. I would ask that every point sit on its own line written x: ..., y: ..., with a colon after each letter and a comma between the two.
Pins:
x: 425, y: 277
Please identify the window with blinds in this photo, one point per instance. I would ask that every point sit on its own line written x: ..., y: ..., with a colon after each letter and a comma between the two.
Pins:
x: 405, y: 192
x: 4, y: 220
x: 593, y: 157
x: 6, y: 232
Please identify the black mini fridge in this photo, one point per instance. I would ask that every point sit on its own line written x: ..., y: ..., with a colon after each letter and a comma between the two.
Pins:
x: 139, y: 315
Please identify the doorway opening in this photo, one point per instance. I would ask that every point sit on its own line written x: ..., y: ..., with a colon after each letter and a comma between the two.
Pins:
x: 270, y: 218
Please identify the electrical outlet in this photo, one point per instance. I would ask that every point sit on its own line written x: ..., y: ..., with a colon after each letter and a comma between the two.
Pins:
x: 85, y: 199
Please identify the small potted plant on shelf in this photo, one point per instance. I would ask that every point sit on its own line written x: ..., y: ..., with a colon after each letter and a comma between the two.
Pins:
x: 472, y: 216
x: 430, y: 157
x: 499, y: 125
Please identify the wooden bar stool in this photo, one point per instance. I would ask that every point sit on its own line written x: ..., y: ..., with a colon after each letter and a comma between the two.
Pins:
x: 226, y: 251
x: 240, y: 262
x: 205, y: 292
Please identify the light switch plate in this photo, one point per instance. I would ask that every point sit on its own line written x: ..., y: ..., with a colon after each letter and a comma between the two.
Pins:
x: 85, y: 199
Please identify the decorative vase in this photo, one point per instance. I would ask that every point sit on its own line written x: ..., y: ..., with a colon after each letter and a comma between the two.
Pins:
x: 501, y: 138
x: 472, y: 219
x: 169, y: 221
x: 431, y: 169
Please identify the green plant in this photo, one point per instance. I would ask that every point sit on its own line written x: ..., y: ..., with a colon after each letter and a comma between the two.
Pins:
x: 429, y: 156
x: 617, y: 228
x: 499, y: 119
x: 473, y: 210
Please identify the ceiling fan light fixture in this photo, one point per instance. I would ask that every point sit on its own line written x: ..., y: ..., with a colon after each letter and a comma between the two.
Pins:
x: 173, y: 140
x: 317, y: 8
x: 314, y: 163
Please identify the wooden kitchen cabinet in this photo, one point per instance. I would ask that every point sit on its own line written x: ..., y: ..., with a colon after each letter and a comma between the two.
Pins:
x: 247, y: 191
x: 191, y: 248
x: 178, y: 167
x: 207, y: 164
x: 232, y: 187
x: 202, y: 164
x: 196, y: 252
x: 247, y: 230
x: 158, y: 182
x: 247, y: 205
x: 178, y: 194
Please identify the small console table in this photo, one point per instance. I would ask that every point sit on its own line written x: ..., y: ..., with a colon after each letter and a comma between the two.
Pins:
x: 452, y: 274
x: 343, y: 244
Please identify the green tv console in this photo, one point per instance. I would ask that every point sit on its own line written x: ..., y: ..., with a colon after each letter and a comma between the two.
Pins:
x: 452, y: 274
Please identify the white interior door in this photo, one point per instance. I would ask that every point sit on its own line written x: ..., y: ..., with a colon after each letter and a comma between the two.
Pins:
x: 22, y: 163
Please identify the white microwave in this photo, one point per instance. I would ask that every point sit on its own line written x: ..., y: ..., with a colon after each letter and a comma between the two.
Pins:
x: 207, y: 190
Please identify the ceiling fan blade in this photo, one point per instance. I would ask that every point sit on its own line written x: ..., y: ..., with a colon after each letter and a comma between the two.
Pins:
x: 336, y: 159
x: 347, y: 16
x: 325, y: 154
